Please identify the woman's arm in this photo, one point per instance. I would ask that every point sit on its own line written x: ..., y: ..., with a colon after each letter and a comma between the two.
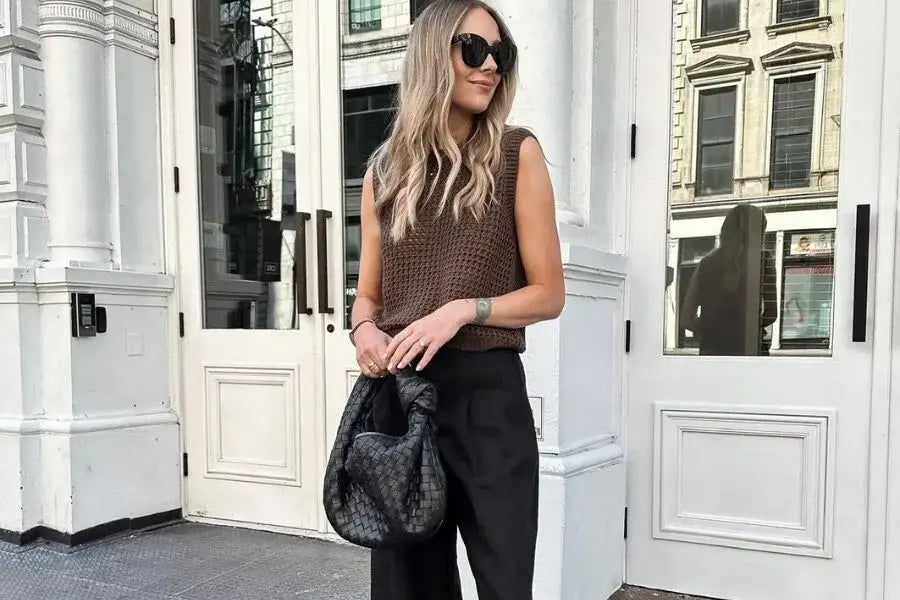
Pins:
x: 368, y: 288
x: 543, y: 296
x: 370, y: 342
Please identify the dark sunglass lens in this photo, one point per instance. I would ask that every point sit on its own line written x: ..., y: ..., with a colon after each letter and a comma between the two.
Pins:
x: 506, y: 56
x: 474, y: 51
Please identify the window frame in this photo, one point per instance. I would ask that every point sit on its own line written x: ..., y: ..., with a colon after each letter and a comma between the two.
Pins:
x: 737, y: 81
x: 820, y: 72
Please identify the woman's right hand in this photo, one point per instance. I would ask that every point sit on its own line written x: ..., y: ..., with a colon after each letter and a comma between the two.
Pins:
x: 371, y: 344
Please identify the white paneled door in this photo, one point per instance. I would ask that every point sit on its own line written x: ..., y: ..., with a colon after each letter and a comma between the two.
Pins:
x: 266, y: 256
x: 754, y: 242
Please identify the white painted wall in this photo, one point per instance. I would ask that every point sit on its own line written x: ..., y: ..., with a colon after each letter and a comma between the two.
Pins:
x: 87, y: 435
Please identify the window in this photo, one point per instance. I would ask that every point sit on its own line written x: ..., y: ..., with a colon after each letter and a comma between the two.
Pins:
x: 720, y: 16
x: 794, y: 10
x: 416, y: 7
x: 807, y: 294
x: 793, y: 104
x: 367, y: 117
x: 690, y: 252
x: 715, y: 141
x: 365, y: 15
x: 367, y: 120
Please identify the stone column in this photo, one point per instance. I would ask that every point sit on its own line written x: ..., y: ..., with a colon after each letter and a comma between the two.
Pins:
x: 23, y: 244
x: 574, y: 59
x: 72, y: 50
x: 543, y: 33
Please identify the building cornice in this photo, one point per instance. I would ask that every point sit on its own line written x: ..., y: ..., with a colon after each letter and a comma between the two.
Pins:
x: 111, y: 23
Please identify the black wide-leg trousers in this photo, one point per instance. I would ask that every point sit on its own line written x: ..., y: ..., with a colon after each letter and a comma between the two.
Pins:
x: 485, y: 434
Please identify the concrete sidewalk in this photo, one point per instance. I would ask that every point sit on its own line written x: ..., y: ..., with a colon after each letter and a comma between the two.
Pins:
x: 192, y: 561
x: 188, y: 561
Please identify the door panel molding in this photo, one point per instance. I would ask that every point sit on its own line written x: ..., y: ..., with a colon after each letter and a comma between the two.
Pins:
x: 700, y: 461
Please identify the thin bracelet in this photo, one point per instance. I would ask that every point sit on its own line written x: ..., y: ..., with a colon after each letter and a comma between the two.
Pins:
x: 357, y: 326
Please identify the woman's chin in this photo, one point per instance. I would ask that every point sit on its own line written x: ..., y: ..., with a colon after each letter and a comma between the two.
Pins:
x: 475, y: 107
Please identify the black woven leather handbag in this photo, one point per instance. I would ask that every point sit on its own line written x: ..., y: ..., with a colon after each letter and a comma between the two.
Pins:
x: 386, y: 490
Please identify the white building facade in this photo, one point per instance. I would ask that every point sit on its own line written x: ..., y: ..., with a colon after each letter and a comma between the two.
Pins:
x: 179, y: 222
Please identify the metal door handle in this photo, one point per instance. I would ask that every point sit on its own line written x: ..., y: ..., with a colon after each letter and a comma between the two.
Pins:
x: 322, y: 217
x: 303, y: 307
x: 861, y: 272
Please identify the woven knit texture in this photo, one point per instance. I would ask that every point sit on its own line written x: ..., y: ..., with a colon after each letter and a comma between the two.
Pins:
x: 382, y: 490
x: 443, y: 259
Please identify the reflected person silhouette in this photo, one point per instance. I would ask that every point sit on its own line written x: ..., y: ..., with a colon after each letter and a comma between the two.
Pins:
x: 734, y: 288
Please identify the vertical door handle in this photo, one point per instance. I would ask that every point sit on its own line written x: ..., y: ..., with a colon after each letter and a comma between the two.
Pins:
x: 861, y: 272
x: 303, y: 307
x: 322, y: 217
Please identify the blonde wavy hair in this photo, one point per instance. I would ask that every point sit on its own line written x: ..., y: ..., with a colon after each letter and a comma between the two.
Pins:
x: 421, y: 129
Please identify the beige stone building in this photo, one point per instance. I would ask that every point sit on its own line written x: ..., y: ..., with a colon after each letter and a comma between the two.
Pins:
x: 756, y: 117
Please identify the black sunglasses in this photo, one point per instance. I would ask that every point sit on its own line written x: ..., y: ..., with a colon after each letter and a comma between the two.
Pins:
x: 475, y: 50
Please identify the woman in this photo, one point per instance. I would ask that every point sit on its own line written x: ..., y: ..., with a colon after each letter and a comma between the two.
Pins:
x: 459, y: 254
x: 735, y: 289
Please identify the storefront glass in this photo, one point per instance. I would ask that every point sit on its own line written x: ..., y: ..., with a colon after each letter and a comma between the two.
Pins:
x: 755, y: 153
x: 247, y: 182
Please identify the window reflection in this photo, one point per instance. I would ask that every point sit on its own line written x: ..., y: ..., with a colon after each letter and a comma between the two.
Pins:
x: 755, y: 149
x: 371, y: 55
x: 246, y: 162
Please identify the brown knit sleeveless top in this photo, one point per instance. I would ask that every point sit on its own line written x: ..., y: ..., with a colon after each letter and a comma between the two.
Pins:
x: 444, y: 259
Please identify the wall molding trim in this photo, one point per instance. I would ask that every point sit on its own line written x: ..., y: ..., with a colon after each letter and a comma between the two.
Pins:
x: 571, y: 464
x: 34, y: 425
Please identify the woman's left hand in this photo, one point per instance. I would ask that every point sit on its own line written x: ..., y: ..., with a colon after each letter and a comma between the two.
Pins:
x: 426, y: 336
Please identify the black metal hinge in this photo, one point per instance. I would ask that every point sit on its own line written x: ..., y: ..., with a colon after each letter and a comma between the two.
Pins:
x: 172, y: 30
x: 184, y: 463
x: 176, y: 174
x: 633, y: 140
x: 626, y: 523
x: 181, y: 324
x: 628, y: 335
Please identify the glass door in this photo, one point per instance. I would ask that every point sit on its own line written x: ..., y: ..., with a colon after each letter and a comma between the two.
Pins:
x: 750, y: 375
x: 250, y: 360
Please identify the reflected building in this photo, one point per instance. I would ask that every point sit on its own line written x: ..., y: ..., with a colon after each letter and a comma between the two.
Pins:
x: 247, y: 153
x: 373, y: 43
x: 245, y: 111
x: 756, y: 117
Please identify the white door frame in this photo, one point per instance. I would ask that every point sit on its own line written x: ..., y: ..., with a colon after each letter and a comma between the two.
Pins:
x: 168, y: 144
x: 884, y: 506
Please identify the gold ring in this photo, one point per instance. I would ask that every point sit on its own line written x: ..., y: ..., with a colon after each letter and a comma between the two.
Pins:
x: 372, y: 366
